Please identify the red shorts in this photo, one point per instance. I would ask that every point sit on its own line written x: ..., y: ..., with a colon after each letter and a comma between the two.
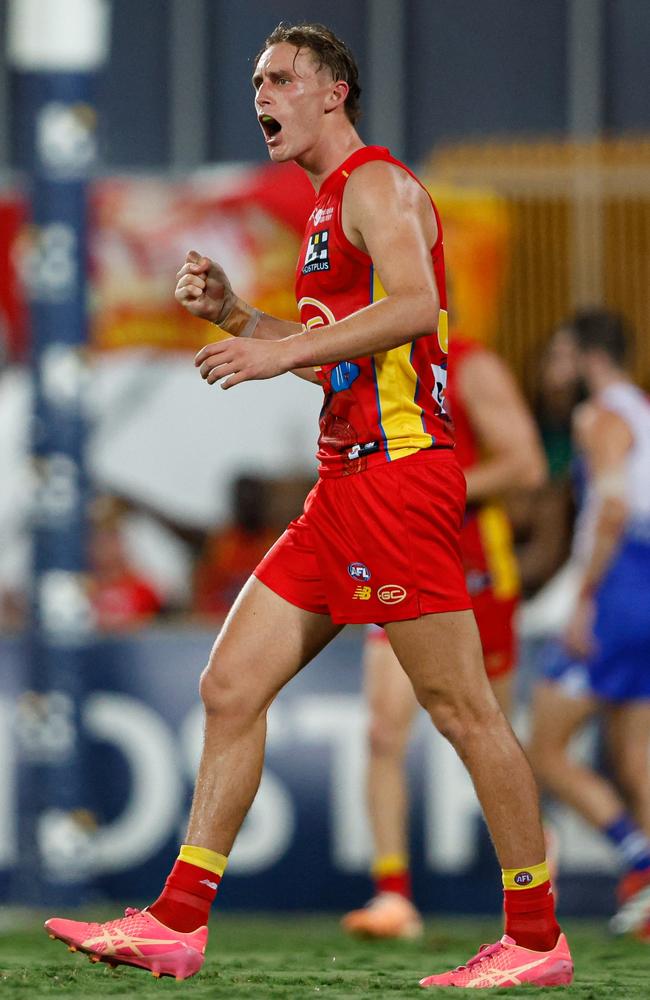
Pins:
x: 493, y: 584
x: 379, y: 546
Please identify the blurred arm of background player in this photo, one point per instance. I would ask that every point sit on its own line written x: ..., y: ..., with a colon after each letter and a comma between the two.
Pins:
x: 605, y: 440
x: 219, y: 305
x: 513, y: 457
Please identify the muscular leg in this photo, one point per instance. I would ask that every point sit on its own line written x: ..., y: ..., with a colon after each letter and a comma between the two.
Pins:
x: 556, y: 717
x: 628, y: 736
x: 441, y: 653
x: 264, y: 642
x: 392, y: 705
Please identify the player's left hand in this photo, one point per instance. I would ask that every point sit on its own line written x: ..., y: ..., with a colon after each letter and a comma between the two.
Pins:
x: 235, y: 360
x: 579, y: 633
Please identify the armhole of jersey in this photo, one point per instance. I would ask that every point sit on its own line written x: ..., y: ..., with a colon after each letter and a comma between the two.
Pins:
x: 360, y: 255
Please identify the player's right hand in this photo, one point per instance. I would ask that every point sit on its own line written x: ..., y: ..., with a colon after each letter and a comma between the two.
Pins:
x: 203, y: 288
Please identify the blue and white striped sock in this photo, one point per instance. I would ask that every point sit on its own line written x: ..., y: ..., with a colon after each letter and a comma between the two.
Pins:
x: 631, y: 843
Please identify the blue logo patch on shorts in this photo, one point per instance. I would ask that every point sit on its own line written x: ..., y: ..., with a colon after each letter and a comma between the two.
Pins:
x: 359, y: 571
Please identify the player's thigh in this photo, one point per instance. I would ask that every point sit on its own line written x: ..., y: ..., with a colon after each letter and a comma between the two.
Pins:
x: 441, y: 653
x: 391, y: 700
x: 555, y: 717
x: 264, y: 642
x: 628, y: 739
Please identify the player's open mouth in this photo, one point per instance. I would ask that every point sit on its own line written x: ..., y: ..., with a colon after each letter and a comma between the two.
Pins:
x: 270, y: 125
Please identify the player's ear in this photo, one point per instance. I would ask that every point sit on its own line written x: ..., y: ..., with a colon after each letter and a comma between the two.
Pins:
x: 337, y: 95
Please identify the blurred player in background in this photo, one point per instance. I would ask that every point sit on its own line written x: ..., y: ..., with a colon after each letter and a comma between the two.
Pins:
x: 499, y: 450
x: 542, y: 520
x: 602, y: 663
x: 378, y: 539
x: 230, y: 553
x: 121, y: 596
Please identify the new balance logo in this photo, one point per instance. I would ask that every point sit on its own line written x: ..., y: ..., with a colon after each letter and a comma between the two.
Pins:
x: 362, y: 594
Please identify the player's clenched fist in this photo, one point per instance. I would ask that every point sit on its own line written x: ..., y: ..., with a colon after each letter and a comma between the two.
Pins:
x: 203, y: 288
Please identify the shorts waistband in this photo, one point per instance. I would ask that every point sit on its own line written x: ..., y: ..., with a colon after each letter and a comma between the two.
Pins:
x: 378, y: 460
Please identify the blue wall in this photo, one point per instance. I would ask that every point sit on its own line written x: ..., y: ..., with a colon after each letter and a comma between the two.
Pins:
x: 305, y: 844
x: 474, y: 67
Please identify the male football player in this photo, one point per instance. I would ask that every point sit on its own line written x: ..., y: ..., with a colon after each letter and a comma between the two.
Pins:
x: 390, y: 499
x: 499, y: 451
x: 602, y: 663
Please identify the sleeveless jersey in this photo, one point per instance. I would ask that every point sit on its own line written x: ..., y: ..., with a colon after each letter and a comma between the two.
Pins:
x: 486, y: 537
x: 633, y: 406
x: 467, y: 449
x: 387, y: 405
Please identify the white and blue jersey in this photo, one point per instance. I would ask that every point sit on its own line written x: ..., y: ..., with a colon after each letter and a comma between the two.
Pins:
x: 619, y: 669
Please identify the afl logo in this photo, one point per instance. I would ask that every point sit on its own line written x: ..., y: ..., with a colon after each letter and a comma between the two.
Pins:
x: 523, y: 878
x: 359, y: 571
x: 391, y: 593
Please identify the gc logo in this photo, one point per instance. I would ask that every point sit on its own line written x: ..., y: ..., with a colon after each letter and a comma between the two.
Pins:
x: 391, y: 593
x: 314, y: 313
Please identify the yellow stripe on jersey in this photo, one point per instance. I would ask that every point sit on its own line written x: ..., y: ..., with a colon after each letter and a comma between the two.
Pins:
x: 396, y: 382
x: 443, y: 331
x: 496, y: 536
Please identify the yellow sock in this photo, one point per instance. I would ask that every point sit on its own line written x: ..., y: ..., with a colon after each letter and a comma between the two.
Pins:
x: 202, y: 857
x: 389, y: 864
x: 525, y: 878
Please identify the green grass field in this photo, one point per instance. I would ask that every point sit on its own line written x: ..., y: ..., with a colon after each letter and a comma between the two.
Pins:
x: 271, y: 957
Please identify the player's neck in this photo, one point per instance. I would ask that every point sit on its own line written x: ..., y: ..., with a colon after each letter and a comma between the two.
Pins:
x: 602, y: 378
x: 333, y: 147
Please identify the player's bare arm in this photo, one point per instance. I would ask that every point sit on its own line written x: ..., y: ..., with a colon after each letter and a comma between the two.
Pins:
x: 513, y: 456
x: 204, y: 290
x: 398, y: 237
x: 605, y: 439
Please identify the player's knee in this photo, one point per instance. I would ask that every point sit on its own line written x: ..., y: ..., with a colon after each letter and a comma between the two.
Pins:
x: 544, y: 761
x: 632, y: 779
x: 387, y: 735
x: 461, y: 722
x: 222, y: 695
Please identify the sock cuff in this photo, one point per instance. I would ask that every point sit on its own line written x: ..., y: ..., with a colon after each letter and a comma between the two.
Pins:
x: 390, y: 864
x: 525, y: 878
x: 202, y: 857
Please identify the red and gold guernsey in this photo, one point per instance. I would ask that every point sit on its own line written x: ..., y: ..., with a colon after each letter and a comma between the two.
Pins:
x: 388, y: 405
x: 486, y: 537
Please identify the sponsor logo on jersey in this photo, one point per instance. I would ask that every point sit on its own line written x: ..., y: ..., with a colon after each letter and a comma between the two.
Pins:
x: 317, y: 256
x: 342, y: 377
x: 321, y: 215
x: 362, y: 594
x: 361, y: 450
x: 391, y: 593
x: 523, y: 878
x: 440, y: 385
x: 359, y: 571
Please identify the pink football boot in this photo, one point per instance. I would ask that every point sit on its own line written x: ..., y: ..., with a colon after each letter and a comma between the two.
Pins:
x: 388, y: 915
x: 507, y: 964
x: 135, y: 939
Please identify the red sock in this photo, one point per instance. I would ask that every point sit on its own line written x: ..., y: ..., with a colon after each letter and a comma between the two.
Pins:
x: 399, y: 882
x: 184, y: 904
x: 530, y: 917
